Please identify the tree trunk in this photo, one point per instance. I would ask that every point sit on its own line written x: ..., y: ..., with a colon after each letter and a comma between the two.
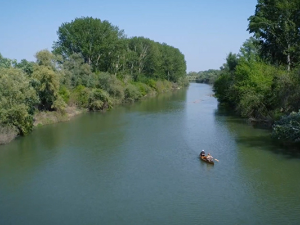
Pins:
x: 288, y: 62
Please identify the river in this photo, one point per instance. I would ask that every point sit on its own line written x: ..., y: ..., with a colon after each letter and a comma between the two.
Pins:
x: 138, y: 164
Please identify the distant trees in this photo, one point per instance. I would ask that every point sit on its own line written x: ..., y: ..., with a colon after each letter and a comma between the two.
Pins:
x: 105, y: 48
x: 207, y: 77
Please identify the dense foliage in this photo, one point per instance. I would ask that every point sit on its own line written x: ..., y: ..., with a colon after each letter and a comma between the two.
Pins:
x: 207, y: 77
x: 288, y: 128
x: 93, y: 66
x: 276, y: 24
x: 17, y: 99
x: 105, y: 48
x: 262, y: 81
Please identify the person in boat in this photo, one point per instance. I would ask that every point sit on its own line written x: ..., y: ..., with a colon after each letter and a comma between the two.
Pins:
x: 209, y: 157
x: 202, y: 153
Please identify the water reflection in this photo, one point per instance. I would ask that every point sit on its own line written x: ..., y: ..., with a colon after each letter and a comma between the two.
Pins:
x: 165, y: 103
x: 271, y: 180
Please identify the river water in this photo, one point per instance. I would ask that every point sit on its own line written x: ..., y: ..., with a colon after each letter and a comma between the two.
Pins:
x: 138, y: 164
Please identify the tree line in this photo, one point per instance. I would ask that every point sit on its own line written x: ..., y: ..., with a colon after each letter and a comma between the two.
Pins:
x: 262, y: 81
x: 206, y: 77
x: 93, y: 66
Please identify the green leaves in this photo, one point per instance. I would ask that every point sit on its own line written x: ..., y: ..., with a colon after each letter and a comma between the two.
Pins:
x: 96, y: 41
x: 247, y: 83
x: 288, y: 128
x: 17, y: 98
x: 6, y: 63
x: 104, y: 48
x: 99, y: 100
x: 275, y: 24
x: 46, y: 80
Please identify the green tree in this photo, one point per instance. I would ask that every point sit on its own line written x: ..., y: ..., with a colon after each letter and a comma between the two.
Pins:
x: 6, y: 63
x: 26, y: 66
x: 173, y: 64
x: 253, y: 89
x: 46, y: 80
x: 76, y: 72
x: 250, y: 50
x: 17, y: 100
x: 138, y: 54
x: 276, y: 25
x: 223, y: 86
x: 95, y: 40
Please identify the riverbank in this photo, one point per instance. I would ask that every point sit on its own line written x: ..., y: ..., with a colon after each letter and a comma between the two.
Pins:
x: 47, y: 117
x: 50, y: 117
x: 41, y: 118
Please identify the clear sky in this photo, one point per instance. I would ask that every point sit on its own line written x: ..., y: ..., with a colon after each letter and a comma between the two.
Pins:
x: 204, y: 31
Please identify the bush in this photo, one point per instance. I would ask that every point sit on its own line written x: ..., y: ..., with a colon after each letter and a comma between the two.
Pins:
x: 151, y: 83
x: 64, y: 93
x: 80, y: 96
x: 7, y: 134
x: 144, y: 88
x: 112, y: 85
x: 47, y: 86
x: 59, y: 105
x: 183, y: 81
x: 17, y: 100
x: 99, y: 100
x: 287, y: 129
x: 160, y: 86
x: 167, y: 85
x: 132, y: 93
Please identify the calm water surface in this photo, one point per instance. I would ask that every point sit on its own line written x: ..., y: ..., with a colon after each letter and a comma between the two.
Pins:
x: 138, y: 164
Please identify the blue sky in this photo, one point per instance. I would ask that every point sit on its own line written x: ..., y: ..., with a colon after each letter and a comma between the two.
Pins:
x: 204, y: 31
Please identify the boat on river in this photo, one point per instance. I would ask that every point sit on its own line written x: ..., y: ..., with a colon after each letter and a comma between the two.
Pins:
x: 203, y: 158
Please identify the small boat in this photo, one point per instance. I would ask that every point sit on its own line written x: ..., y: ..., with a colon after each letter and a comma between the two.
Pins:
x: 203, y: 158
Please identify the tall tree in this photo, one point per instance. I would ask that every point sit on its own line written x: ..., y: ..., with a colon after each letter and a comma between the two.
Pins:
x: 138, y: 53
x: 250, y: 50
x: 97, y: 41
x: 276, y: 25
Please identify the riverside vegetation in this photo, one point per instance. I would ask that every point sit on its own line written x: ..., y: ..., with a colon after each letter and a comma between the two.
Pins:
x: 93, y: 66
x: 262, y: 81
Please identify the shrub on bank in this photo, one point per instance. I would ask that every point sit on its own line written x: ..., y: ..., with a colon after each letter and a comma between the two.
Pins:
x: 287, y: 129
x: 17, y: 100
x: 99, y: 100
x: 132, y: 93
x: 80, y: 96
x: 7, y: 134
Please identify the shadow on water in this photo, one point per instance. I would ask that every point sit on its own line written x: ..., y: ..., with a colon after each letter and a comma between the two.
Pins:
x: 244, y: 134
x: 268, y: 144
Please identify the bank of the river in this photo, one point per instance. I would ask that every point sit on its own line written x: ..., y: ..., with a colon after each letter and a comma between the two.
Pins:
x: 50, y: 117
x: 42, y: 118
